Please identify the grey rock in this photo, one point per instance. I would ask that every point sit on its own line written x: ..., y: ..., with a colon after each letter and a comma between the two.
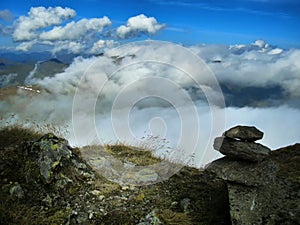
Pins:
x: 52, y: 151
x: 244, y: 205
x: 17, y: 191
x: 151, y: 218
x: 185, y: 205
x: 48, y: 201
x: 265, y: 192
x: 244, y: 172
x: 269, y: 203
x: 241, y: 150
x: 244, y: 133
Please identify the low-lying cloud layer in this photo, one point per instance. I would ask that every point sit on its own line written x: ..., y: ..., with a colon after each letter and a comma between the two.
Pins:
x: 159, y: 92
x: 256, y: 65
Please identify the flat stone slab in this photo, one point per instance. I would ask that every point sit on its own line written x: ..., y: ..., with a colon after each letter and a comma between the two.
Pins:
x: 241, y: 150
x: 244, y: 133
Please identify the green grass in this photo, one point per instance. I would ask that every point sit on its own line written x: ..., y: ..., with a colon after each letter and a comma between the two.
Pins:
x: 17, y: 135
x: 138, y: 156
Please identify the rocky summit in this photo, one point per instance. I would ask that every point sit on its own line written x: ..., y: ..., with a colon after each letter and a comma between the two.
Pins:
x: 265, y: 192
x: 258, y: 191
x: 45, y: 181
x: 244, y: 133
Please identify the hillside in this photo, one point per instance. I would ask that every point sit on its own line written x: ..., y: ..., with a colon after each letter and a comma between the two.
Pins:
x: 21, y: 72
x: 45, y: 181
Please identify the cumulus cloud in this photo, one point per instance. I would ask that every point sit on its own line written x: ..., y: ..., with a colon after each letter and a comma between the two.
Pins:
x: 69, y: 46
x: 140, y: 24
x: 76, y: 30
x: 101, y: 44
x: 6, y: 15
x: 46, y: 26
x: 50, y: 26
x: 26, y: 27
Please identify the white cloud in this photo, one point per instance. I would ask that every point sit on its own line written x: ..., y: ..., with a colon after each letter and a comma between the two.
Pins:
x: 76, y: 30
x: 25, y: 46
x: 69, y: 46
x: 26, y: 27
x: 100, y: 45
x: 140, y: 24
x: 49, y: 26
x: 121, y: 73
x: 254, y: 65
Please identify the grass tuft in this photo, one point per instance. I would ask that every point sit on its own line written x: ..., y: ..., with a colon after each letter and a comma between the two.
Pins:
x: 137, y: 156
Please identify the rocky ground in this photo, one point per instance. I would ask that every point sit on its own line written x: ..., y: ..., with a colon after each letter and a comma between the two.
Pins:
x: 45, y: 181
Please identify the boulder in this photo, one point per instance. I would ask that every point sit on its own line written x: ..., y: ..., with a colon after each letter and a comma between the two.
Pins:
x: 244, y: 133
x: 244, y: 172
x: 51, y: 152
x: 266, y: 192
x: 241, y: 150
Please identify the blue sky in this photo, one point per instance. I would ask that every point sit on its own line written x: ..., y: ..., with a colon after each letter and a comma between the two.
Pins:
x: 188, y: 21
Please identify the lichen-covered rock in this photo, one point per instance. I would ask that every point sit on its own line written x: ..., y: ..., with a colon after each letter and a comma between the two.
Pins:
x: 51, y: 152
x: 16, y: 191
x: 241, y: 150
x: 244, y: 133
x: 151, y: 218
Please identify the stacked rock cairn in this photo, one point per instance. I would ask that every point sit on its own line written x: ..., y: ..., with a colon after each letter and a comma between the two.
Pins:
x: 239, y: 143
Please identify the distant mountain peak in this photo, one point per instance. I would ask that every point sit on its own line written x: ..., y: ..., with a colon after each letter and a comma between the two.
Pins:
x: 55, y: 60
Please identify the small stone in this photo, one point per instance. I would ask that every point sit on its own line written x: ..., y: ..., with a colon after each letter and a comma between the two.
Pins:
x: 132, y: 187
x: 185, y: 205
x: 96, y: 192
x: 17, y: 191
x: 151, y: 218
x: 174, y: 203
x: 244, y: 133
x: 48, y: 201
x: 101, y: 197
x: 125, y: 188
